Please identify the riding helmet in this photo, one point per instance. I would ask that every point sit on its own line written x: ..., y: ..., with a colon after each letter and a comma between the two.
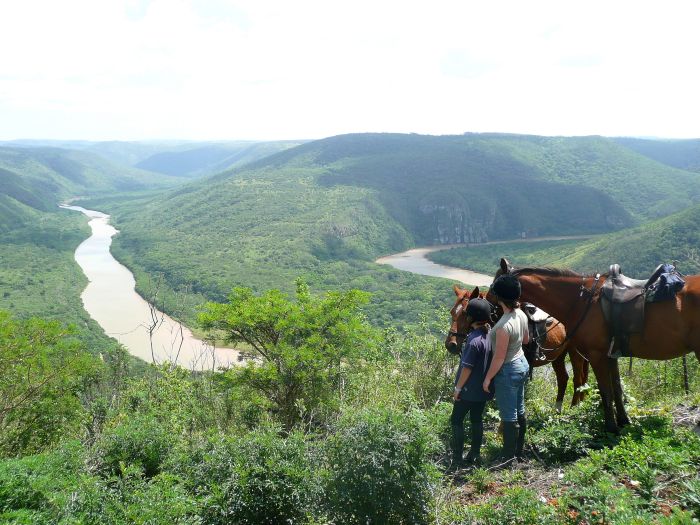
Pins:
x: 506, y: 287
x: 479, y: 310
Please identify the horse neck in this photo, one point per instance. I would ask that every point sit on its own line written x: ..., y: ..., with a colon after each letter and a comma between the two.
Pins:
x: 555, y: 295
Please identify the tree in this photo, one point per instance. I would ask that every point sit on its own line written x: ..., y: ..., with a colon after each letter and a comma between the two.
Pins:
x: 302, y: 348
x: 43, y: 371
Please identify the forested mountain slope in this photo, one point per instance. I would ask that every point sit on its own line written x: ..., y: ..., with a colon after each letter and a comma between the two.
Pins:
x: 327, y: 208
x: 674, y: 239
x: 38, y: 275
x: 197, y: 160
x: 639, y: 250
x: 683, y: 154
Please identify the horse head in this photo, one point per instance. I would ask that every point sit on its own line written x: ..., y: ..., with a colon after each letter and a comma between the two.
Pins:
x: 504, y: 269
x: 459, y: 326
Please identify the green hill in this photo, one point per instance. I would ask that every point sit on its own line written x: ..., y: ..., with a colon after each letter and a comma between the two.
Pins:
x: 683, y: 154
x: 327, y: 209
x: 38, y: 275
x: 207, y: 159
x: 638, y: 250
x: 74, y: 172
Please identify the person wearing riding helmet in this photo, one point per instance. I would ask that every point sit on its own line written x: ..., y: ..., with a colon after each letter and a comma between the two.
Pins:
x: 468, y: 394
x: 509, y: 368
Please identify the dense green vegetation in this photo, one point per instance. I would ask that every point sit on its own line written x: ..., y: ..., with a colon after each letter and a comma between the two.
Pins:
x: 683, y: 154
x: 55, y: 172
x: 366, y: 444
x: 208, y: 159
x: 639, y: 250
x: 485, y: 258
x: 39, y: 276
x: 326, y: 209
x: 342, y: 417
x: 267, y: 231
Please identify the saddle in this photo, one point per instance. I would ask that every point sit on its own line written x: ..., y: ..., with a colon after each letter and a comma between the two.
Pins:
x: 623, y: 300
x: 537, y: 322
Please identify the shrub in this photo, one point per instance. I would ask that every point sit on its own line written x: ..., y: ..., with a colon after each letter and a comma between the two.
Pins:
x: 139, y: 441
x: 259, y: 478
x: 379, y: 469
x: 34, y: 488
x: 133, y: 499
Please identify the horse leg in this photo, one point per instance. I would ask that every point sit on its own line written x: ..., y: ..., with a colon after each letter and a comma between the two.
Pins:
x: 601, y: 369
x: 622, y: 418
x: 580, y: 369
x: 559, y: 366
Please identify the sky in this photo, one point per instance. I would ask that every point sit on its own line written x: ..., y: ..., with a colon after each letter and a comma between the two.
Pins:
x: 307, y: 69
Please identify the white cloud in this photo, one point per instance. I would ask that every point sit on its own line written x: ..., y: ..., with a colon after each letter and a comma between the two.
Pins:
x: 274, y: 69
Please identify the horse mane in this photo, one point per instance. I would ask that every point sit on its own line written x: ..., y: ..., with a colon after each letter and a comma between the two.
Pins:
x: 545, y: 270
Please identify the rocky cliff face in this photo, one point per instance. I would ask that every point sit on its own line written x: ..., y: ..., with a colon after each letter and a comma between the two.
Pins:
x: 457, y: 224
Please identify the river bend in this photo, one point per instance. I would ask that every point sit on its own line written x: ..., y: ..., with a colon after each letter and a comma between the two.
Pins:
x: 111, y: 299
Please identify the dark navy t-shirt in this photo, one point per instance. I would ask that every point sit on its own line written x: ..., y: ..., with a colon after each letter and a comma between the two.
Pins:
x: 476, y: 354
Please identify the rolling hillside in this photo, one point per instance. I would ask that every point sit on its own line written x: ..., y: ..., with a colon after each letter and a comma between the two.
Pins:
x: 683, y: 154
x: 638, y: 250
x: 327, y: 208
x: 207, y: 159
x: 38, y: 275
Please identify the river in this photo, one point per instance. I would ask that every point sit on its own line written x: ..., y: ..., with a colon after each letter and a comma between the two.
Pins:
x: 415, y: 261
x: 111, y: 299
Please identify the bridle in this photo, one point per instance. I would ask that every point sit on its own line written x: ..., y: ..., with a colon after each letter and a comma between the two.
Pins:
x: 461, y: 309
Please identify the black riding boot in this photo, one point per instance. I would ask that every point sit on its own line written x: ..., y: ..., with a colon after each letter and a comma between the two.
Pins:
x: 457, y: 445
x: 510, y: 441
x: 520, y: 444
x: 474, y: 455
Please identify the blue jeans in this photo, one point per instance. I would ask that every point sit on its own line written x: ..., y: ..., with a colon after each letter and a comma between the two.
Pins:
x: 510, y: 389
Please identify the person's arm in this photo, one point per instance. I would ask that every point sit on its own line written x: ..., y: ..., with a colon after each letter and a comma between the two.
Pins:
x: 461, y: 381
x: 499, y: 355
x: 526, y: 333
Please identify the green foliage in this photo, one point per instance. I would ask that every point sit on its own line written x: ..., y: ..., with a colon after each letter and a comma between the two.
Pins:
x: 481, y: 479
x: 516, y: 506
x: 485, y: 258
x: 327, y: 208
x: 36, y: 486
x: 567, y: 436
x: 43, y: 371
x: 682, y: 154
x: 603, y: 501
x: 39, y: 276
x: 379, y: 469
x: 141, y: 441
x: 300, y: 345
x: 690, y: 495
x: 261, y: 477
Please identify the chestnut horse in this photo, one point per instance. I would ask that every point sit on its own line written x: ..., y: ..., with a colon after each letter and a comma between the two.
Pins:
x: 555, y: 347
x: 671, y: 328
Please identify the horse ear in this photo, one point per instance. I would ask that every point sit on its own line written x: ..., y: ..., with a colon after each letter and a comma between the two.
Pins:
x: 475, y: 293
x: 457, y: 289
x: 505, y: 265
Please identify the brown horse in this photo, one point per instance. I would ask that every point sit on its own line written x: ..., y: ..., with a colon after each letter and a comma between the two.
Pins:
x: 555, y: 347
x: 671, y: 328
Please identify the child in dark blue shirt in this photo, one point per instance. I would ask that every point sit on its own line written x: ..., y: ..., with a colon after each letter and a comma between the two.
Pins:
x: 469, y: 396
